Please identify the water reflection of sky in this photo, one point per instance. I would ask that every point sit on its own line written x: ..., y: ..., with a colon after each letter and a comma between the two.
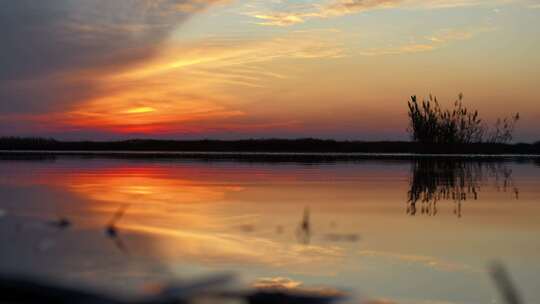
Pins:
x: 184, y: 219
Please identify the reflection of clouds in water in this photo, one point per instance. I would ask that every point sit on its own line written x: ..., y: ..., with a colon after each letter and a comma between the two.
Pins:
x: 290, y: 285
x: 277, y: 282
x: 146, y: 188
x: 153, y: 198
x: 170, y: 207
x: 223, y: 248
x: 163, y: 205
x: 427, y: 261
x: 188, y: 218
x: 380, y: 301
x: 342, y: 237
x: 389, y: 301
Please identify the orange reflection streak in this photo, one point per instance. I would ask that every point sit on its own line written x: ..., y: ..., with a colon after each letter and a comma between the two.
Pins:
x: 231, y: 248
x: 184, y: 214
x: 155, y: 197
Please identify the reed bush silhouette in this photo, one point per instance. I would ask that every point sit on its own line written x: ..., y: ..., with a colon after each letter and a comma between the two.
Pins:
x: 430, y: 123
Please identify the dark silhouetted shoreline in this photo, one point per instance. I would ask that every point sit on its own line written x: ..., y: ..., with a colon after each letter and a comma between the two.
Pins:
x: 307, y: 145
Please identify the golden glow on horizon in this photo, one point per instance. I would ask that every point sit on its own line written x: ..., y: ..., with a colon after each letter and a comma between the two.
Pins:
x: 169, y: 111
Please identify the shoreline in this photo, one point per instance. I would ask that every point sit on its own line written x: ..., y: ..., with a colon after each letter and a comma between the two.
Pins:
x: 240, y: 153
x: 304, y: 148
x: 298, y: 157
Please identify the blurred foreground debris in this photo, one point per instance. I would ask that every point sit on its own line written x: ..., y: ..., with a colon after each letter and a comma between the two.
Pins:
x: 26, y: 290
x: 504, y: 284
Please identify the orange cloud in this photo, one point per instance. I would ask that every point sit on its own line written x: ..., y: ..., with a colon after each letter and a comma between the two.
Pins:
x: 139, y: 111
x: 192, y: 86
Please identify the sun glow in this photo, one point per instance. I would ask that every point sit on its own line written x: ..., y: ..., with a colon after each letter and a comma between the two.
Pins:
x: 140, y: 110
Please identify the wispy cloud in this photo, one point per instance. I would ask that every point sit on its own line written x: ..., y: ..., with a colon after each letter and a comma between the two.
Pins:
x: 333, y: 9
x: 214, y: 52
x: 428, y: 43
x: 295, y: 15
x: 207, y: 66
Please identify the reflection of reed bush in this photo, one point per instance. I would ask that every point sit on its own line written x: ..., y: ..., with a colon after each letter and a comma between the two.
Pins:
x: 433, y: 180
x: 430, y: 123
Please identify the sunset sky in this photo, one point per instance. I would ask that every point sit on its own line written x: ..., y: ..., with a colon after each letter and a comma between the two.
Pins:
x: 344, y: 69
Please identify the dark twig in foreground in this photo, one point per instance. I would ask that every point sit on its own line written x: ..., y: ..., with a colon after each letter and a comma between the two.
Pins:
x: 61, y: 223
x: 303, y: 232
x: 112, y: 230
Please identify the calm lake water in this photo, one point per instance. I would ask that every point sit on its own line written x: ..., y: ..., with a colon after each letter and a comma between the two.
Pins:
x: 393, y: 231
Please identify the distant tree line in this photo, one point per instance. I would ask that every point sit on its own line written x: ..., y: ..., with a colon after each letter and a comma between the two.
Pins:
x: 306, y: 145
x: 430, y: 123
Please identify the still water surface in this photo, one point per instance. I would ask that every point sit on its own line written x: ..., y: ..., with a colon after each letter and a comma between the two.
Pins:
x: 394, y: 231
